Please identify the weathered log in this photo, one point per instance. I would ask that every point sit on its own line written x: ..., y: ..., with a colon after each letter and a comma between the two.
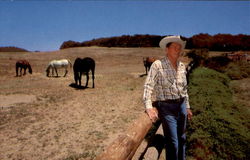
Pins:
x: 155, y: 151
x: 124, y: 147
x: 152, y: 149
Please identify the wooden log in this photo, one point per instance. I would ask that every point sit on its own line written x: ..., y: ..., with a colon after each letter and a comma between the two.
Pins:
x: 124, y: 147
x: 152, y: 153
x: 141, y: 150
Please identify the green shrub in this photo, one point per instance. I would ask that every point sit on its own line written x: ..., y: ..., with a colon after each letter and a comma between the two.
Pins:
x: 216, y: 131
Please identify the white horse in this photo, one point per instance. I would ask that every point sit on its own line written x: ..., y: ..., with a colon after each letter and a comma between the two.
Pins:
x: 56, y: 64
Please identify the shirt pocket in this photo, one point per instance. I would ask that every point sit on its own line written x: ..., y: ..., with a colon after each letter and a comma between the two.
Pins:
x: 166, y: 80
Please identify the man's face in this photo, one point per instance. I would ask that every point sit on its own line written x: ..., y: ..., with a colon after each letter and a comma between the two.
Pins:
x: 174, y: 47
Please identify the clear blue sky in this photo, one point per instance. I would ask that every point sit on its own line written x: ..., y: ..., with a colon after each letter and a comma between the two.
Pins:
x: 45, y: 25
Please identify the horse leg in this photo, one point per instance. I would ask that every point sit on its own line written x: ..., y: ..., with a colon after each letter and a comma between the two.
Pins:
x: 24, y: 71
x: 56, y: 72
x: 93, y: 78
x: 52, y: 72
x: 66, y: 71
x: 87, y: 81
x: 48, y: 72
x: 80, y: 79
x: 21, y: 72
x: 16, y: 71
x: 76, y: 77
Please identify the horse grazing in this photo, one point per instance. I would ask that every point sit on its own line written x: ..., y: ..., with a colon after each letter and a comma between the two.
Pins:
x: 23, y: 64
x: 56, y: 64
x: 148, y: 61
x: 83, y: 66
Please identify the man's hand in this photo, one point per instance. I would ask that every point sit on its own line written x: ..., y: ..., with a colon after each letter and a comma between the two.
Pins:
x: 189, y: 114
x: 153, y: 114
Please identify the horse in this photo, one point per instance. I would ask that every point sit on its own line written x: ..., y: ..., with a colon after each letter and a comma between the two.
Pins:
x: 83, y: 66
x: 148, y: 61
x: 23, y: 64
x: 56, y: 64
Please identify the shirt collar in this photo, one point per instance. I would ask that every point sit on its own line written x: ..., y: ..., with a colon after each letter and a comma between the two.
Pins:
x: 167, y: 61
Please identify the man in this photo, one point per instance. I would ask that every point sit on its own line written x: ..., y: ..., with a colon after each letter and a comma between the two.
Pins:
x: 167, y: 77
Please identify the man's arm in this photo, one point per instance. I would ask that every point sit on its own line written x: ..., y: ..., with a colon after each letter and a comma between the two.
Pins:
x: 148, y: 89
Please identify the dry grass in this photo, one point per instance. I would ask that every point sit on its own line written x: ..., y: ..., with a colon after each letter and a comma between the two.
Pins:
x: 63, y: 122
x: 45, y: 118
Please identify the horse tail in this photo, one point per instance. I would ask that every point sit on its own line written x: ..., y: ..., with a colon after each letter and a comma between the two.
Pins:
x: 76, y: 76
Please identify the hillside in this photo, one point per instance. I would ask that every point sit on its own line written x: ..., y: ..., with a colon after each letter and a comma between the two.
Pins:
x: 12, y: 49
x: 47, y: 118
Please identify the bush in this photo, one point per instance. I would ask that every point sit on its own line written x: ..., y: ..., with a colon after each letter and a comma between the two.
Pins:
x: 198, y: 54
x: 216, y: 131
x: 218, y: 63
x: 234, y: 70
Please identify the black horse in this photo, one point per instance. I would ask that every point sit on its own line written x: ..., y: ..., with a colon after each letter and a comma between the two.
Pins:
x: 83, y: 66
x: 23, y: 64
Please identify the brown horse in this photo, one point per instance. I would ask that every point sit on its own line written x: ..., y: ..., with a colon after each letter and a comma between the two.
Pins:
x: 23, y: 64
x: 147, y: 61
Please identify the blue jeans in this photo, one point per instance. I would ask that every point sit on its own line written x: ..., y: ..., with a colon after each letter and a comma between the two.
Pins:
x: 174, y: 118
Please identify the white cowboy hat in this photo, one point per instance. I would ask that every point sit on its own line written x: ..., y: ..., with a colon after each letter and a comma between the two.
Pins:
x: 169, y: 39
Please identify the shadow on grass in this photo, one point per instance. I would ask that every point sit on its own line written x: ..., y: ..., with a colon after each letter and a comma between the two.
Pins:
x: 73, y: 85
x: 54, y: 76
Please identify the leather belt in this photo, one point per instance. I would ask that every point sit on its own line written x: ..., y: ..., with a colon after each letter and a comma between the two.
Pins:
x: 174, y: 101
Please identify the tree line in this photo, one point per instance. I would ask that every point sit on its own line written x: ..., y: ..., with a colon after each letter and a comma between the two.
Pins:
x: 218, y: 42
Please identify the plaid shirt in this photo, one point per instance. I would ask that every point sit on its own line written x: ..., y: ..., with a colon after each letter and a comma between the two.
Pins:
x: 166, y: 82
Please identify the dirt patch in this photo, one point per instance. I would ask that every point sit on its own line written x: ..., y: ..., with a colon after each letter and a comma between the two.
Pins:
x: 10, y: 100
x: 53, y: 120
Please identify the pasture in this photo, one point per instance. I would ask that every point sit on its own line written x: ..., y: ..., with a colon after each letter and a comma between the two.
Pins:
x: 46, y: 118
x: 49, y: 118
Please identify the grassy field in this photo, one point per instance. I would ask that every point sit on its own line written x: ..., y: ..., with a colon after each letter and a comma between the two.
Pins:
x: 45, y: 118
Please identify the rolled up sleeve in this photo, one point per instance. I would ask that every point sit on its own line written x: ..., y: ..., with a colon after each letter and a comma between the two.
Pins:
x: 149, y: 86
